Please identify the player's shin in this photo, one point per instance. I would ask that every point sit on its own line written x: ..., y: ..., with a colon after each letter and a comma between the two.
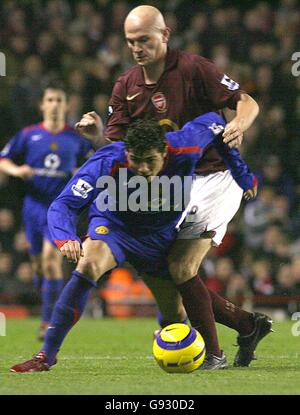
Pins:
x: 66, y: 313
x: 197, y: 303
x: 230, y: 315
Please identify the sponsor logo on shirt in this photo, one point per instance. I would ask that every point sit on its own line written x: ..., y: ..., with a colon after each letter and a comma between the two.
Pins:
x: 81, y: 188
x: 230, y: 83
x: 36, y: 137
x: 102, y: 230
x: 131, y: 97
x: 52, y: 161
x: 49, y: 173
x: 159, y: 101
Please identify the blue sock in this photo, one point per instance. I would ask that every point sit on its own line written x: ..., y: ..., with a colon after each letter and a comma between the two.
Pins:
x: 67, y: 312
x: 164, y: 322
x: 50, y: 293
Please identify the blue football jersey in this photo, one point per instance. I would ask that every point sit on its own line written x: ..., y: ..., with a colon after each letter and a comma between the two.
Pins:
x: 52, y: 156
x: 185, y: 148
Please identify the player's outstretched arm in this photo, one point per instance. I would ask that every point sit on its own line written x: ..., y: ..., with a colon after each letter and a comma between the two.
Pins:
x: 239, y: 169
x: 91, y: 127
x: 7, y: 166
x: 65, y: 210
x: 80, y: 192
x: 246, y: 112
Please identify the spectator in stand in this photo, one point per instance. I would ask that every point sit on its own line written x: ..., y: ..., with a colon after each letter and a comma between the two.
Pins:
x: 47, y: 50
x: 272, y: 237
x: 295, y: 270
x: 262, y: 283
x: 237, y: 289
x: 285, y: 282
x: 258, y: 215
x: 27, y: 91
x: 100, y: 103
x: 6, y: 265
x: 24, y: 289
x: 6, y: 277
x: 223, y: 272
x: 75, y: 108
x: 274, y: 177
x: 7, y: 228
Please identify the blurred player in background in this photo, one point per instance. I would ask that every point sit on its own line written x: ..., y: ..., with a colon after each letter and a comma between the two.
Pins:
x: 173, y: 87
x: 45, y: 156
x: 141, y: 236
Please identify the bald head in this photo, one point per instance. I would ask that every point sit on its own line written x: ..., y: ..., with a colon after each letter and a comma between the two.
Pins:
x: 148, y: 17
x: 147, y: 35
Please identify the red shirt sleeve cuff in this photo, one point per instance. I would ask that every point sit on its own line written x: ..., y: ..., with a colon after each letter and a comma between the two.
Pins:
x: 255, y: 181
x: 60, y: 243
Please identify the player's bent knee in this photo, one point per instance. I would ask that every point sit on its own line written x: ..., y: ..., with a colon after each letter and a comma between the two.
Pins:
x: 183, y: 271
x: 91, y: 268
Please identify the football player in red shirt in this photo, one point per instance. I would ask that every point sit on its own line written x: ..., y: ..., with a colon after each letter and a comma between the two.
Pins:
x: 174, y: 86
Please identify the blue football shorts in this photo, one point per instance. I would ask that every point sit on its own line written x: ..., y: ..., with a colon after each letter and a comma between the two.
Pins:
x: 147, y: 252
x: 34, y: 216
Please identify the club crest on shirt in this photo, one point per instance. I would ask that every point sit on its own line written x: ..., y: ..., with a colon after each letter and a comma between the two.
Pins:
x: 159, y: 101
x: 54, y: 146
x: 103, y: 230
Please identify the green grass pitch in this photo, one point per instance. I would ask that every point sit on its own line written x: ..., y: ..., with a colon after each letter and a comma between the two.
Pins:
x: 114, y: 357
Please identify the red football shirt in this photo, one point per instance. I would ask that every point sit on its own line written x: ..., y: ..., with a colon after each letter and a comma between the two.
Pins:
x: 189, y: 86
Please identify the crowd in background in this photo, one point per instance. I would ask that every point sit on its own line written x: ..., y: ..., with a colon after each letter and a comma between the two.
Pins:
x: 83, y: 44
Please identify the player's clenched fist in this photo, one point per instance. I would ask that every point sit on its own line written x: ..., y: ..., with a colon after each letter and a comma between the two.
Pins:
x: 72, y: 250
x: 90, y: 126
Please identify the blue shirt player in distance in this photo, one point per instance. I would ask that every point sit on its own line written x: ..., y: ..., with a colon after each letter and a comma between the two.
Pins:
x: 114, y: 235
x: 48, y: 152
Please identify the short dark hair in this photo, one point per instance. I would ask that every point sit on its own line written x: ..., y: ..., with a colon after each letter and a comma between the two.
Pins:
x: 144, y: 135
x: 56, y: 84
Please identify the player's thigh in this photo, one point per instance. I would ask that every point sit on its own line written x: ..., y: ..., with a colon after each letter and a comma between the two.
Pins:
x: 166, y: 296
x: 186, y: 256
x: 97, y: 259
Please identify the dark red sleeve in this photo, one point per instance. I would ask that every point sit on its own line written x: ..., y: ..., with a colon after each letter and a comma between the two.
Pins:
x: 118, y: 119
x: 219, y: 89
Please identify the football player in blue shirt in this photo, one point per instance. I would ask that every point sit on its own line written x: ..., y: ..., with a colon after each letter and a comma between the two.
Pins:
x: 118, y: 231
x: 49, y: 152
